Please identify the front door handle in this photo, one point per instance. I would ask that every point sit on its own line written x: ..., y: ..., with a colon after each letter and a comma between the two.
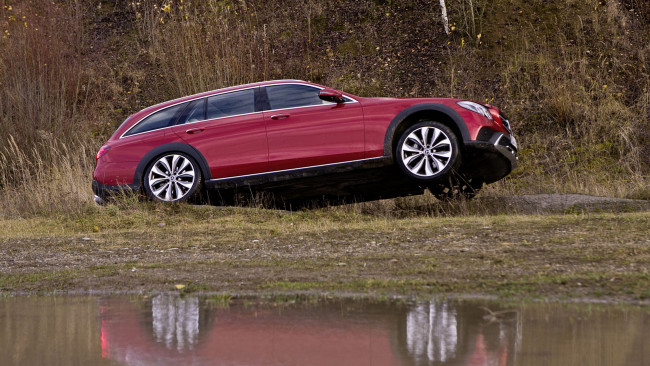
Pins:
x: 194, y: 130
x: 280, y: 116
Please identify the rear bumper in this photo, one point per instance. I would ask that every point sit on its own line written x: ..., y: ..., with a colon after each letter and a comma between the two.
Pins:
x: 98, y: 200
x: 104, y: 192
x: 491, y: 160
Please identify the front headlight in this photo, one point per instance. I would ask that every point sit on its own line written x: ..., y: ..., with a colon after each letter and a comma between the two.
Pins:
x: 477, y: 108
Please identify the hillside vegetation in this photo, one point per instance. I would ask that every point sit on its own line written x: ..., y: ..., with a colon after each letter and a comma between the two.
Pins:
x: 572, y: 75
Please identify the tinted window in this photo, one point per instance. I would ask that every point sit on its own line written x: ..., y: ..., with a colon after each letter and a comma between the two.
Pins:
x: 289, y: 96
x: 164, y: 118
x: 230, y: 104
x: 195, y: 112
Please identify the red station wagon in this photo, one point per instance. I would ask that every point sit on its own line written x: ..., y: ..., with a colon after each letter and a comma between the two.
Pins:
x: 304, y: 139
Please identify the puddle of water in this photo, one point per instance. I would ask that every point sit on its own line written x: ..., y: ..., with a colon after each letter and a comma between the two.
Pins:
x: 170, y: 330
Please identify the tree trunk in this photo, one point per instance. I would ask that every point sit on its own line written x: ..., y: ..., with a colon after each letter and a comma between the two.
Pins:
x: 445, y: 20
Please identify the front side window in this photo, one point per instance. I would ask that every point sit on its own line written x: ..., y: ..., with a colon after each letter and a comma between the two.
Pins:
x: 158, y: 120
x: 291, y: 96
x: 231, y: 104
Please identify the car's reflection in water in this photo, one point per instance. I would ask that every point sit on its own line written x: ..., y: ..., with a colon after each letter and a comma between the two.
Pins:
x: 170, y: 329
x: 175, y: 321
x: 173, y: 330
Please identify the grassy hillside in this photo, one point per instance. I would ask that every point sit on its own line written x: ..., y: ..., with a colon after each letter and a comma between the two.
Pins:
x: 573, y: 76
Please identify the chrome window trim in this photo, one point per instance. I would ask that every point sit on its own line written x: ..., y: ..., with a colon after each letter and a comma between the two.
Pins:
x: 140, y: 133
x: 235, y: 115
x: 186, y: 101
x: 307, y: 106
x: 218, y: 118
x: 293, y: 169
x: 147, y: 116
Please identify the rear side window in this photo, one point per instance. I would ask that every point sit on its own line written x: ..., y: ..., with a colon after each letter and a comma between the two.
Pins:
x: 158, y: 120
x: 290, y: 96
x: 231, y: 104
x: 194, y: 112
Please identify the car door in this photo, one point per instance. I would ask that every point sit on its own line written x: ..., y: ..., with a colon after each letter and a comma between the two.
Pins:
x: 229, y: 131
x: 304, y: 130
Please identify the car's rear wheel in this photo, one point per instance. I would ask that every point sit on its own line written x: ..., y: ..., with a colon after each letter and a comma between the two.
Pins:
x: 172, y: 177
x: 427, y: 151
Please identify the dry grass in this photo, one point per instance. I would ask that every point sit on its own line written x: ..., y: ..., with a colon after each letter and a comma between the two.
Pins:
x: 203, y: 46
x: 575, y: 84
x: 49, y: 179
x: 46, y: 97
x: 572, y: 76
x: 45, y: 77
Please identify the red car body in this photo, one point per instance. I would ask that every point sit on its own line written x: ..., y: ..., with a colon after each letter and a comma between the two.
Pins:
x: 269, y: 145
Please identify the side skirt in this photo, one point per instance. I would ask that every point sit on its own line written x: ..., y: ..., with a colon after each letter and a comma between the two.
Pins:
x: 291, y: 174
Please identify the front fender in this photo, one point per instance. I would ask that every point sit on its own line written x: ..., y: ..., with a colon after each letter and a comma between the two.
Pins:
x: 449, y: 112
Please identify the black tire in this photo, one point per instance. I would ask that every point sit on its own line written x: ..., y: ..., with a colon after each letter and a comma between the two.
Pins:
x: 172, y: 177
x: 427, y: 152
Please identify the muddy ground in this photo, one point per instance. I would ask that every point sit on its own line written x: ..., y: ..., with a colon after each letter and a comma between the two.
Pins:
x: 566, y: 247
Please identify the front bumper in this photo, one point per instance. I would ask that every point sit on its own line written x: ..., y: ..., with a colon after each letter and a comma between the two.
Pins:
x: 491, y: 160
x: 507, y: 146
x: 105, y: 192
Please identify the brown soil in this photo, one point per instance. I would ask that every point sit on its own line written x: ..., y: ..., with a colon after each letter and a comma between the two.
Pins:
x: 581, y: 253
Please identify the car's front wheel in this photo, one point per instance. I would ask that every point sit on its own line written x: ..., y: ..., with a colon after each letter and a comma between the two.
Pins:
x: 427, y: 151
x: 172, y: 177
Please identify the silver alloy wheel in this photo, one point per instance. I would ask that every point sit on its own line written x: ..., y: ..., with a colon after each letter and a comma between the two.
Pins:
x: 426, y: 151
x: 171, y: 177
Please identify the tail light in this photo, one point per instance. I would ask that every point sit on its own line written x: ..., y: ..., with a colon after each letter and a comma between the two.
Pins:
x: 102, y: 150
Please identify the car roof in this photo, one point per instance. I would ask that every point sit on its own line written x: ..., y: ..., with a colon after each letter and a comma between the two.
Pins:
x: 217, y: 91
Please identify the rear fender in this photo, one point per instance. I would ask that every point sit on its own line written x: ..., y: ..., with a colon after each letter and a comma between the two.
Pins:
x: 168, y: 148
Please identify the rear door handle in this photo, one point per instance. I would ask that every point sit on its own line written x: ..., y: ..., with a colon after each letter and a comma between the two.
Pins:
x: 194, y: 130
x: 280, y: 116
